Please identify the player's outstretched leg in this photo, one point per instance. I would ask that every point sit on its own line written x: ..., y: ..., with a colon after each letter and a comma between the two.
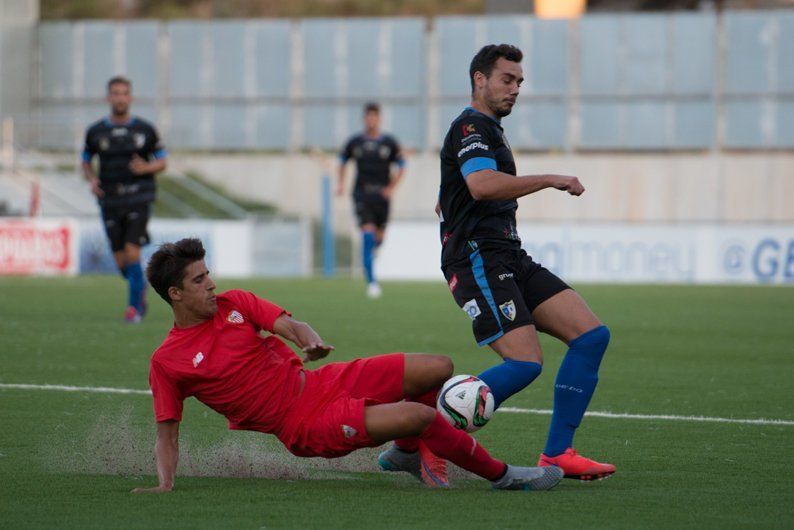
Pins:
x: 411, y: 455
x: 401, y: 420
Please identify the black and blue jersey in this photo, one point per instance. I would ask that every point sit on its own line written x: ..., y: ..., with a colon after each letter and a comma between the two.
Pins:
x: 374, y: 158
x: 115, y: 144
x: 474, y: 142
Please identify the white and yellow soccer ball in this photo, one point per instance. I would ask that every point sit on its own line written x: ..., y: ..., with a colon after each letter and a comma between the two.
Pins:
x: 466, y: 402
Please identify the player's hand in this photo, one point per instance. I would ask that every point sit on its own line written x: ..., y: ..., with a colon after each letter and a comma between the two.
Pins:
x: 387, y: 192
x: 569, y: 184
x: 316, y: 351
x: 96, y: 189
x: 157, y: 489
x: 138, y: 165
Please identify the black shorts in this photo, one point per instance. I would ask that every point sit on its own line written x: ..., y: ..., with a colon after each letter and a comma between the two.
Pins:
x: 127, y: 224
x: 499, y: 288
x: 372, y: 212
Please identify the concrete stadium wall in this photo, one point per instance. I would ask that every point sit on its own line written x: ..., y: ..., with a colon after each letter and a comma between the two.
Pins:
x: 718, y: 187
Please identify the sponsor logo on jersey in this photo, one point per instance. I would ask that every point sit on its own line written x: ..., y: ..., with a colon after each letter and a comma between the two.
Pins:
x: 467, y: 129
x: 505, y: 275
x: 453, y: 282
x: 119, y: 131
x: 472, y: 309
x: 197, y: 359
x: 235, y: 317
x: 470, y: 147
x: 471, y: 138
x: 508, y: 309
x: 349, y: 431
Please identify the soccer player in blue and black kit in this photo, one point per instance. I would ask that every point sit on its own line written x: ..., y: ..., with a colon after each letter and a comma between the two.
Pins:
x: 503, y: 291
x: 130, y: 154
x: 376, y: 155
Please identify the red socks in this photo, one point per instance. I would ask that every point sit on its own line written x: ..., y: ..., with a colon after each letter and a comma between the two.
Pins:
x: 461, y: 449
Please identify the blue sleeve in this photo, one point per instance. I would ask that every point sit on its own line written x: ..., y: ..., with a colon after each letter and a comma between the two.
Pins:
x: 477, y: 164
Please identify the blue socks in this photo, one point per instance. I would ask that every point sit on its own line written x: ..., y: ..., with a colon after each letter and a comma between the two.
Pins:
x: 576, y: 381
x: 509, y: 377
x: 134, y: 274
x: 368, y: 251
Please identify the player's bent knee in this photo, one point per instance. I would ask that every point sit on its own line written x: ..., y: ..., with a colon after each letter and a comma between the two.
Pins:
x: 424, y: 416
x: 443, y: 367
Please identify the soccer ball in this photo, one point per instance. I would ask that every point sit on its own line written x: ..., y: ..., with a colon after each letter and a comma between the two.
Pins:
x: 466, y: 402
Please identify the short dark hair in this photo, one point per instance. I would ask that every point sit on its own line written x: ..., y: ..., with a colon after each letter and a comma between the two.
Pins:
x: 371, y: 106
x: 167, y: 265
x: 486, y: 58
x: 119, y: 80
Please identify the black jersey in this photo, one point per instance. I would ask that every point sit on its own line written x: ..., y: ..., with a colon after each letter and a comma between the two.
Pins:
x: 115, y: 144
x: 474, y: 142
x: 374, y: 157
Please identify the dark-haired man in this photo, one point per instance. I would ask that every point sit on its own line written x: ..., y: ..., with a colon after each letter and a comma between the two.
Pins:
x: 130, y: 154
x: 215, y: 352
x: 376, y: 155
x: 508, y: 296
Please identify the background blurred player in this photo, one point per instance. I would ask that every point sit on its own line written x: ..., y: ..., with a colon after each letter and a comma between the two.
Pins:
x: 215, y: 352
x: 130, y: 153
x: 375, y: 154
x: 507, y: 295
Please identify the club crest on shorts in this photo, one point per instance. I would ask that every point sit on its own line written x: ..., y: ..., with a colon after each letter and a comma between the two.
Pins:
x: 508, y: 309
x: 472, y: 309
x: 235, y: 317
x: 349, y: 431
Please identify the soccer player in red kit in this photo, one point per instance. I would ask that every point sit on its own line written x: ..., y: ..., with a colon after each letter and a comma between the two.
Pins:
x: 215, y: 352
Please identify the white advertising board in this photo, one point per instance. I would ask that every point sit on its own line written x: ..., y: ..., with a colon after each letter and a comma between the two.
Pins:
x: 619, y: 252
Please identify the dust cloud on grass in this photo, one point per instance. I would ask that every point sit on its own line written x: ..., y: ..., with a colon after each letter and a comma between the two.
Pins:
x: 117, y: 445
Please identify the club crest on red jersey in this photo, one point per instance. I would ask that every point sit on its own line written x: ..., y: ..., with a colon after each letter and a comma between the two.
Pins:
x: 197, y: 359
x: 235, y: 317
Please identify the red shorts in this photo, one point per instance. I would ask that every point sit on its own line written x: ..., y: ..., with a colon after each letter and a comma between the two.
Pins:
x: 328, y: 418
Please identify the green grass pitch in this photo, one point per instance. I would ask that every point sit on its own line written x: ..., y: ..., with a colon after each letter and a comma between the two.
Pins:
x: 69, y: 459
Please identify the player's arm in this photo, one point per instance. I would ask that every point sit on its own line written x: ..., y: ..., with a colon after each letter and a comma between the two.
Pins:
x: 166, y: 451
x: 490, y: 184
x: 397, y: 175
x: 88, y: 170
x: 157, y: 159
x: 301, y: 334
x: 344, y: 156
x: 139, y: 166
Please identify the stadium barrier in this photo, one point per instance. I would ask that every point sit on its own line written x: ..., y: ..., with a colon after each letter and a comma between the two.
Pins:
x: 237, y: 249
x: 693, y: 253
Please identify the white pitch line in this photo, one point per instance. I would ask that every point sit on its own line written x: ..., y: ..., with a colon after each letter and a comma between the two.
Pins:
x: 542, y: 412
x: 64, y: 388
x: 664, y: 417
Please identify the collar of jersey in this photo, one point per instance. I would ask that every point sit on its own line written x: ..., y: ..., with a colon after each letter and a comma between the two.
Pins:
x: 483, y: 114
x: 125, y: 124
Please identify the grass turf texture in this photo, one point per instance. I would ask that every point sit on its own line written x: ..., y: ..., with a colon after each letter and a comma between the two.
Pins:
x: 70, y: 459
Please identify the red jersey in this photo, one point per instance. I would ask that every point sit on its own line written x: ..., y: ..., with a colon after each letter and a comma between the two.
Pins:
x: 227, y: 365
